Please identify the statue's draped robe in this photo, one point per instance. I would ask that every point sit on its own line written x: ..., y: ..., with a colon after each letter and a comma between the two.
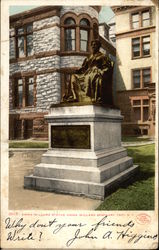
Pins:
x: 89, y: 78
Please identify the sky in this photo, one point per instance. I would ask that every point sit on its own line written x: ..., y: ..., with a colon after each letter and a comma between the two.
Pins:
x: 104, y: 16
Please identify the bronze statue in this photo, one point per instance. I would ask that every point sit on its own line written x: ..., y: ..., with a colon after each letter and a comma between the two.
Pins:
x: 93, y: 81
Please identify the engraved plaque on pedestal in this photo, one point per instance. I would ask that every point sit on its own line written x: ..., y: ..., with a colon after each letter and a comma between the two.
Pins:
x: 70, y: 136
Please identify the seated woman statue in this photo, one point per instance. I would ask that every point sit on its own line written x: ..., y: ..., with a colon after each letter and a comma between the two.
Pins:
x: 87, y: 84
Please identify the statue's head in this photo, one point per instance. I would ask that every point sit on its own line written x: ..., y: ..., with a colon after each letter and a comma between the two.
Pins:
x: 95, y: 44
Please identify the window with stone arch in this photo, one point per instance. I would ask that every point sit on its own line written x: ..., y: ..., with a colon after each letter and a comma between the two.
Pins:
x: 70, y: 34
x: 77, y: 33
x: 84, y: 34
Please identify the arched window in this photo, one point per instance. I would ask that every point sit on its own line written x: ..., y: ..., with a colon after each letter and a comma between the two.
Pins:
x: 76, y: 33
x: 84, y: 34
x: 70, y: 37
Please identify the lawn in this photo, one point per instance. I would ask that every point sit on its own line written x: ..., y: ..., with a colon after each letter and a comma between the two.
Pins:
x: 40, y: 144
x: 28, y: 144
x: 139, y: 195
x: 135, y: 139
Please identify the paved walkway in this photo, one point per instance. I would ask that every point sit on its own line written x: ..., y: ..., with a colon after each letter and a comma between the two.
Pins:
x: 21, y: 164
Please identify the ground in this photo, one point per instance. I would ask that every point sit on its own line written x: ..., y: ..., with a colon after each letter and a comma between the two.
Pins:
x: 21, y: 164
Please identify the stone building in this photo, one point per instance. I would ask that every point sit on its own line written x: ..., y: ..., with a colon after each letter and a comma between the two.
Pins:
x: 47, y: 44
x: 112, y: 36
x: 135, y: 28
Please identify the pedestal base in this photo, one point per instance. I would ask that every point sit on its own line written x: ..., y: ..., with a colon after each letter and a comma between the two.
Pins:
x: 91, y: 171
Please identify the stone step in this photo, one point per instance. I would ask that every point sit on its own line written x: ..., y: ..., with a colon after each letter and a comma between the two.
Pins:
x: 93, y: 174
x: 76, y: 187
x: 113, y: 168
x: 120, y: 178
x: 83, y: 158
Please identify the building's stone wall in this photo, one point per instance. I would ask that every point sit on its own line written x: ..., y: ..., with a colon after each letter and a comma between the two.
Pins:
x: 74, y: 61
x: 10, y: 94
x: 23, y: 110
x: 80, y: 9
x: 45, y: 22
x: 46, y: 39
x: 12, y: 48
x: 12, y: 44
x: 48, y: 90
x: 51, y: 62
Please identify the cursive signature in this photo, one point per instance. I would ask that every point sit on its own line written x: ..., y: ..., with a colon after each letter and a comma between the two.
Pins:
x: 134, y: 237
x: 77, y: 236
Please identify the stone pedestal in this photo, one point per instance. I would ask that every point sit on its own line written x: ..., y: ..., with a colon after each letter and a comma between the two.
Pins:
x: 85, y: 156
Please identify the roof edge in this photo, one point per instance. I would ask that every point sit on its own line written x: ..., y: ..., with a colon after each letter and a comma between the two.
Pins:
x: 32, y: 12
x: 97, y: 8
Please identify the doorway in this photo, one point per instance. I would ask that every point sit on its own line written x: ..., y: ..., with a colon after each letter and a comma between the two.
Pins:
x: 28, y: 129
